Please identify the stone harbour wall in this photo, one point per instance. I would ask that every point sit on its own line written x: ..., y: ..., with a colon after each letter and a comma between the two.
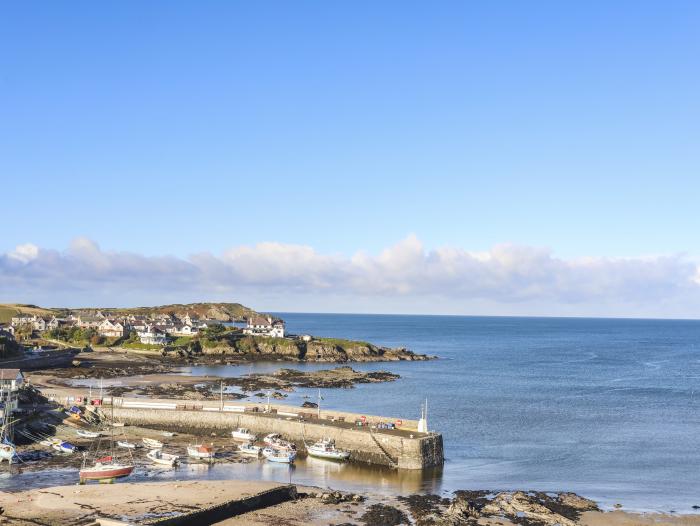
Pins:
x: 399, y: 449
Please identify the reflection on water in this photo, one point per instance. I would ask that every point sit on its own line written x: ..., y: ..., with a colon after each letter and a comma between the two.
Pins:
x: 348, y: 476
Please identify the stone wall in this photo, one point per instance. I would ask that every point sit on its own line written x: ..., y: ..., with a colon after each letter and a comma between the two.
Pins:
x: 399, y: 449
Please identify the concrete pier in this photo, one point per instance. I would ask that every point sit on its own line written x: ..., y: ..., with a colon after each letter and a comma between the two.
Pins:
x: 403, y: 447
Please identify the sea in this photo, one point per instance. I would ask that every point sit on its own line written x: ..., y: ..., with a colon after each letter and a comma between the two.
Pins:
x: 606, y: 408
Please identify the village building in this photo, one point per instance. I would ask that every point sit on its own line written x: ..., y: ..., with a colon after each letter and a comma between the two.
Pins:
x: 89, y: 322
x: 152, y: 335
x: 112, y: 329
x: 10, y: 382
x: 264, y: 326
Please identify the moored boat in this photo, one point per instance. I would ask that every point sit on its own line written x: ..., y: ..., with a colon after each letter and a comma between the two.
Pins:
x: 275, y: 440
x: 106, y: 468
x: 126, y: 444
x: 279, y: 455
x: 87, y: 434
x: 249, y: 449
x: 165, y: 459
x: 7, y: 452
x: 152, y: 443
x: 200, y: 451
x: 325, y: 448
x: 243, y: 433
x: 64, y: 447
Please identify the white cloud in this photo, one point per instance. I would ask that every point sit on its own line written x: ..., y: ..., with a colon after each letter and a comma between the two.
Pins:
x: 406, y: 272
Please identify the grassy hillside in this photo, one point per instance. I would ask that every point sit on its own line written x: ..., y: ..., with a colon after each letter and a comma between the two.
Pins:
x: 219, y: 311
x: 8, y: 310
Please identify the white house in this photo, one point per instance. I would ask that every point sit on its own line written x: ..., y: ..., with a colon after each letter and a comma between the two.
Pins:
x: 10, y: 382
x: 111, y: 328
x: 185, y: 330
x: 264, y: 326
x: 152, y: 336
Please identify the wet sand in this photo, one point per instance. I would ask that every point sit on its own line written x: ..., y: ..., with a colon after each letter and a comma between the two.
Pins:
x: 139, y: 501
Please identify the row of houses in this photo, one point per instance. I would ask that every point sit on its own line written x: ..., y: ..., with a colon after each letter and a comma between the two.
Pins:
x: 153, y: 328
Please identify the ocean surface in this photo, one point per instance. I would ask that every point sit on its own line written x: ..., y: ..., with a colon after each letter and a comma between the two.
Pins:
x: 607, y: 408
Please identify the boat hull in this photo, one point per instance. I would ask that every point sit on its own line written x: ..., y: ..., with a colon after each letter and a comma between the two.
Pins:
x: 329, y: 455
x: 105, y: 473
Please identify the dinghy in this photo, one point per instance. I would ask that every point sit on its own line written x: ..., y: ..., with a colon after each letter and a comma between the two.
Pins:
x: 249, y: 449
x: 153, y: 443
x: 165, y: 459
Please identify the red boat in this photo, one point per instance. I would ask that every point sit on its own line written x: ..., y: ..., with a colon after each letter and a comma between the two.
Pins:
x: 106, y: 468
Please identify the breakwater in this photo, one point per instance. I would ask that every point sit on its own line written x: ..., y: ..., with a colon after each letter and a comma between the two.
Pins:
x: 368, y: 438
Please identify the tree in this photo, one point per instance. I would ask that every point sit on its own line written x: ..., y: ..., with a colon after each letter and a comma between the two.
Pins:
x: 213, y: 332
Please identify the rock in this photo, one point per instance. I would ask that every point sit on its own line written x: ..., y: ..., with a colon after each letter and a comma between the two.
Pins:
x: 309, y: 404
x: 522, y: 505
x: 576, y: 502
x: 462, y: 509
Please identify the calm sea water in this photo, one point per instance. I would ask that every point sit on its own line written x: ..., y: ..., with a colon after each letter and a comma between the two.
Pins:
x: 606, y: 408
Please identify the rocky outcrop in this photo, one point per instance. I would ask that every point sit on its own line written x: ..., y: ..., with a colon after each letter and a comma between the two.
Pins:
x: 318, y: 350
x: 519, y: 507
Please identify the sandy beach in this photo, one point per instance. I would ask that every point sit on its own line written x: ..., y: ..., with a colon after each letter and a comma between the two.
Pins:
x: 136, y: 502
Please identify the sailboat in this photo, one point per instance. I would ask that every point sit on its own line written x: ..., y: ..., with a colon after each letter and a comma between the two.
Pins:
x: 108, y: 467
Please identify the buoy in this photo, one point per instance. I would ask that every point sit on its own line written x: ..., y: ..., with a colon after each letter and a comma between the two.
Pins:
x: 399, y: 423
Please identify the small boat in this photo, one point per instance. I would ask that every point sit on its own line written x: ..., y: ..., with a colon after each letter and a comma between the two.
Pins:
x: 168, y: 434
x: 153, y: 443
x: 7, y: 452
x: 279, y: 455
x: 49, y: 442
x: 106, y: 468
x: 126, y: 444
x: 64, y: 447
x: 117, y: 424
x: 250, y: 449
x: 275, y: 440
x: 87, y: 434
x: 166, y: 459
x: 200, y: 451
x: 326, y: 449
x: 243, y: 434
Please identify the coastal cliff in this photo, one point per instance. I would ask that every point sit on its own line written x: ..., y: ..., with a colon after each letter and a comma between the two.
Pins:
x: 317, y: 350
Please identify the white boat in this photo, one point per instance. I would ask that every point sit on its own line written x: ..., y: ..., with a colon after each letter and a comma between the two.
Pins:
x: 87, y: 434
x: 49, y: 442
x: 7, y: 452
x: 64, y: 447
x: 168, y: 434
x: 117, y: 424
x: 243, y: 434
x: 153, y: 443
x: 249, y: 449
x: 126, y: 444
x: 166, y: 459
x: 279, y: 455
x: 326, y: 449
x: 275, y: 440
x: 201, y: 451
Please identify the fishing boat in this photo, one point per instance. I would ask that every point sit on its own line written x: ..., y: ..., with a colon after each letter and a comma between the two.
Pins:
x: 201, y: 451
x: 106, y: 468
x: 275, y: 440
x: 64, y: 447
x: 126, y: 444
x: 7, y: 451
x: 153, y: 443
x: 249, y: 449
x: 279, y: 455
x: 165, y: 459
x: 243, y: 433
x: 87, y: 434
x: 326, y: 449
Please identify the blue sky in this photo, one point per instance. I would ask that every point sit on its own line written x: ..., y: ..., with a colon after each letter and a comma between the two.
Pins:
x: 181, y: 128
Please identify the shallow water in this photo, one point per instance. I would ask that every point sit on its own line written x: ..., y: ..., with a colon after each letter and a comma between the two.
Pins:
x: 606, y: 408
